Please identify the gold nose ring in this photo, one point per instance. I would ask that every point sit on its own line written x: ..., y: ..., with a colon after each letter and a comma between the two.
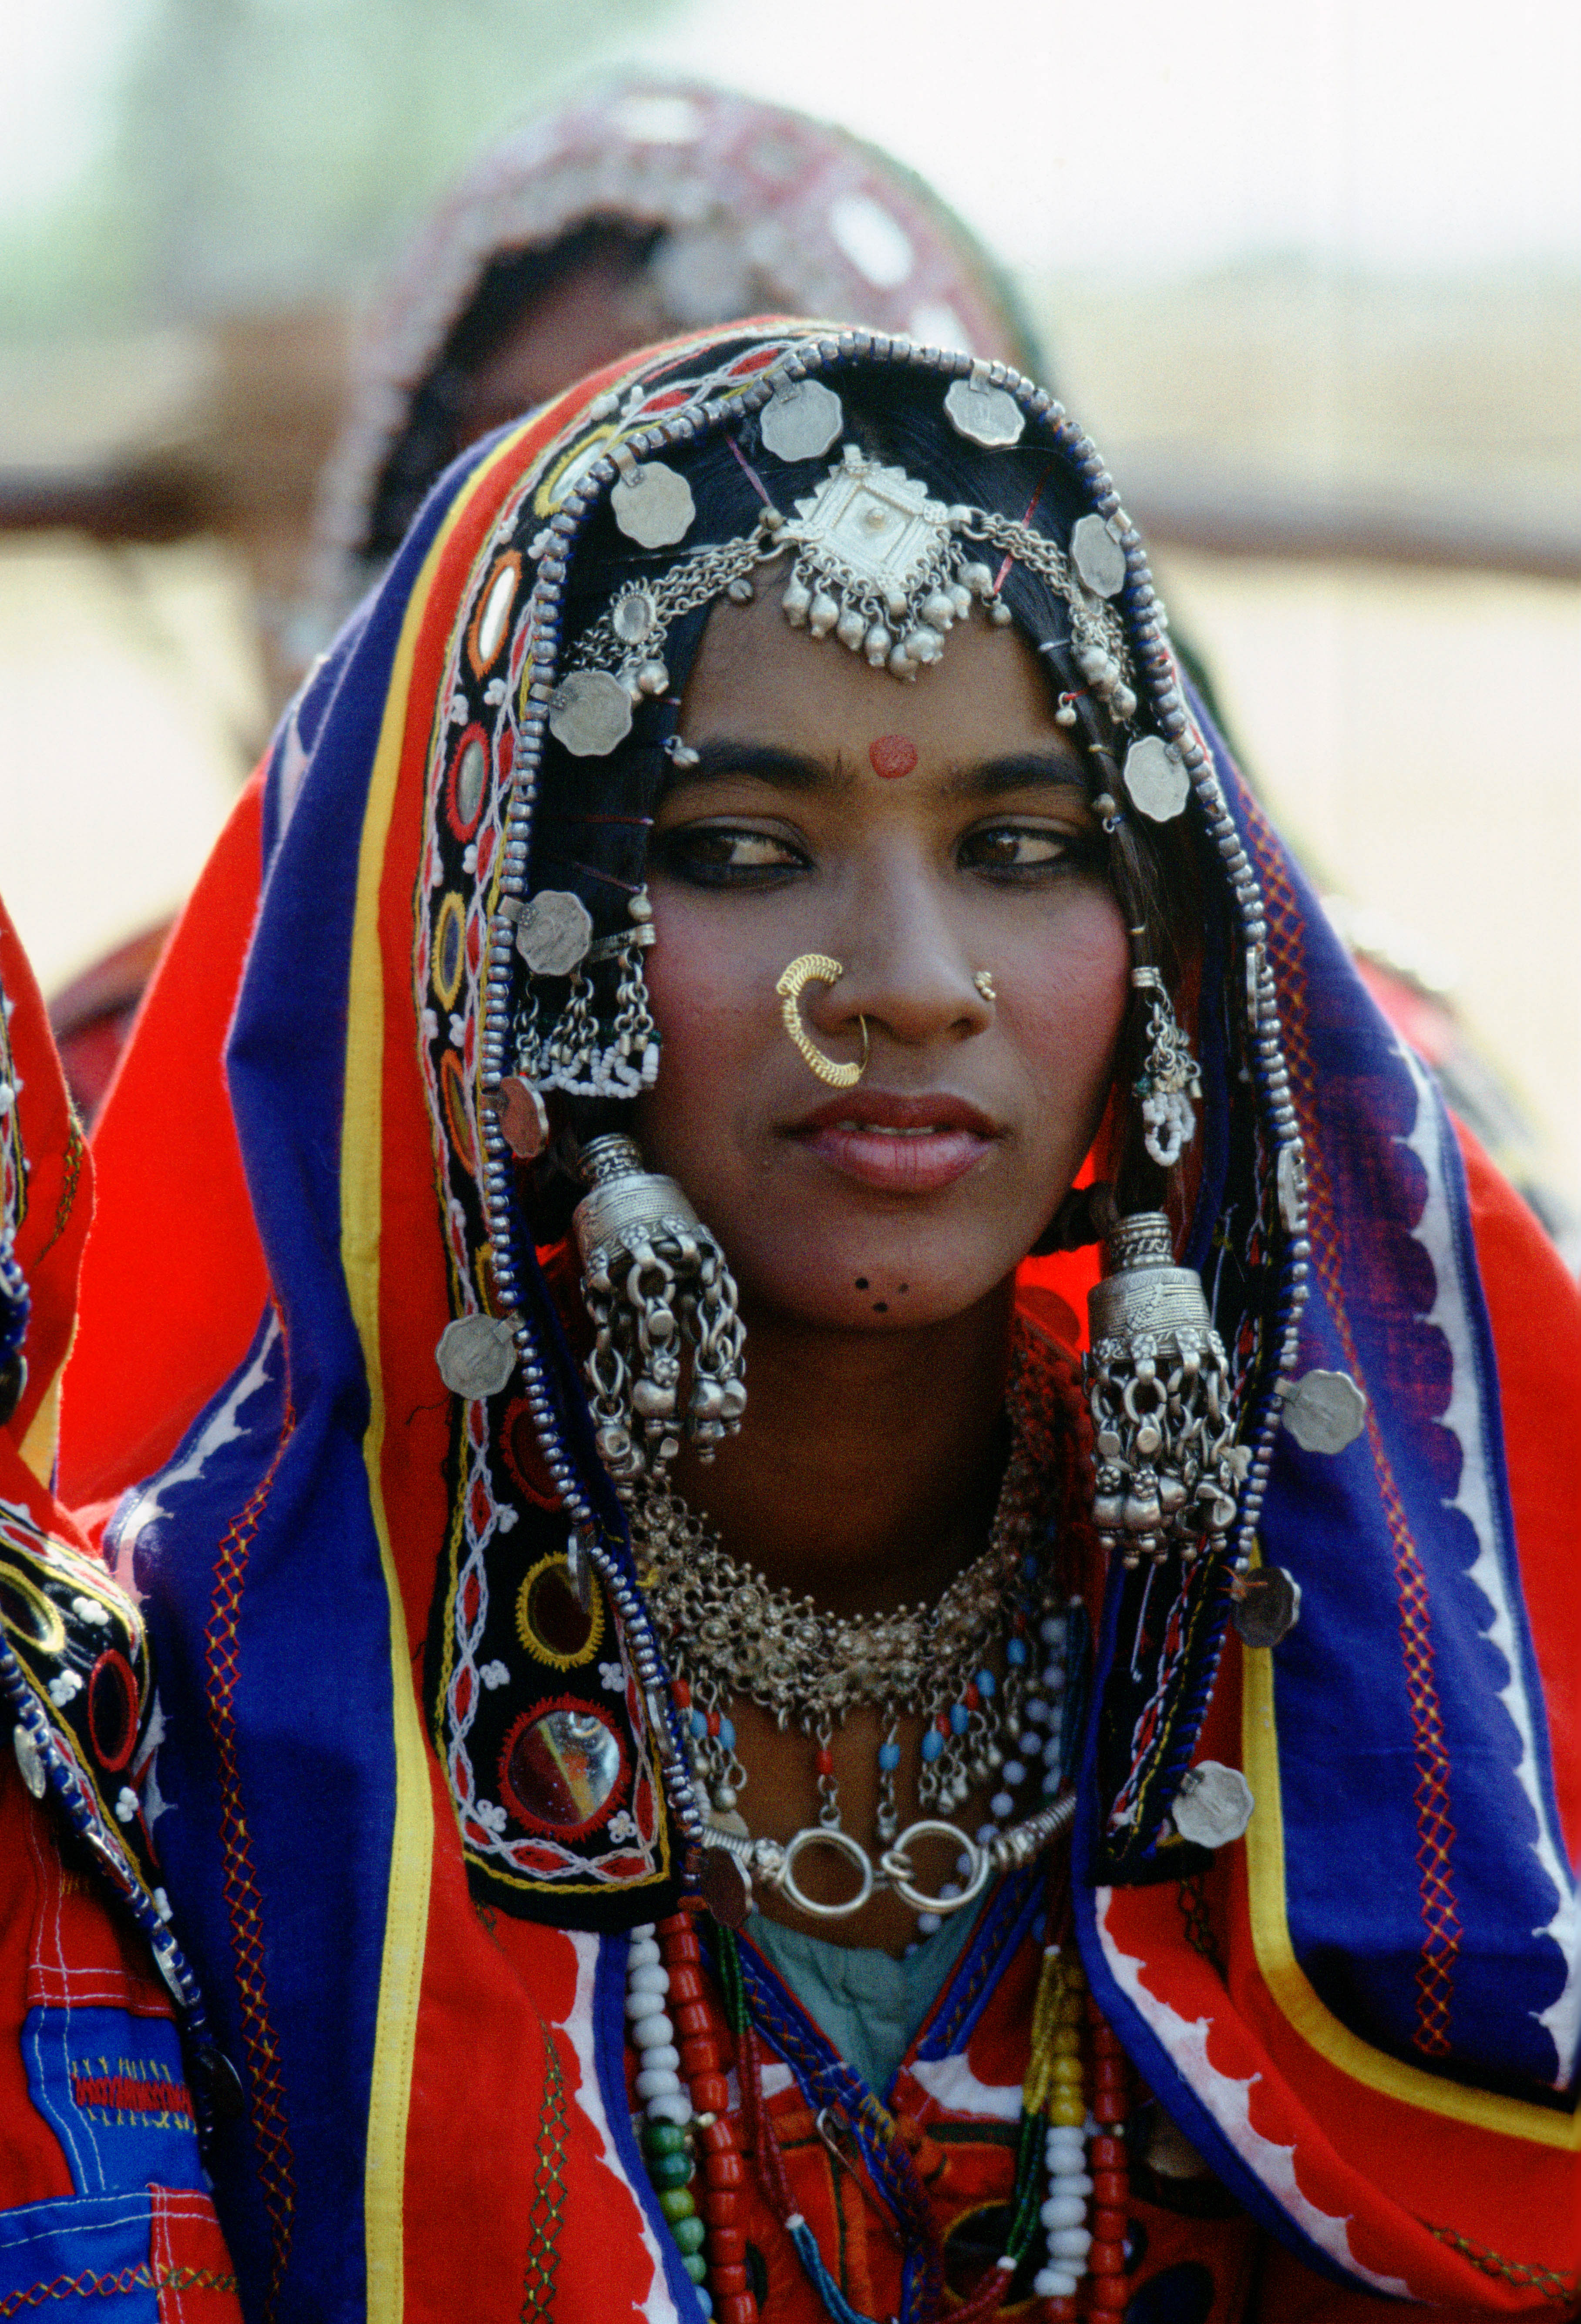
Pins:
x: 817, y: 968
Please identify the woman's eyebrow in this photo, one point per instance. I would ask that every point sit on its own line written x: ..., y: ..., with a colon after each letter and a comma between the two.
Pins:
x: 786, y: 771
x: 1020, y: 770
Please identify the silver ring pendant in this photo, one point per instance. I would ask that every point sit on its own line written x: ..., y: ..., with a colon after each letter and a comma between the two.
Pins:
x: 896, y: 1866
x: 814, y: 1835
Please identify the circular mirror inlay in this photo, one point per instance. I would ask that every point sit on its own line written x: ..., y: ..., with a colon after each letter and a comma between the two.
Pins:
x: 562, y: 1769
x: 551, y: 1621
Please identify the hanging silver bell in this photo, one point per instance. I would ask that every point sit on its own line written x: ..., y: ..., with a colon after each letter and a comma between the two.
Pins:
x: 654, y: 1279
x: 1158, y: 1387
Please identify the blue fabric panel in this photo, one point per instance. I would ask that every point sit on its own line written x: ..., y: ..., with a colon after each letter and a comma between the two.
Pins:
x: 293, y: 1966
x: 1395, y: 1738
x: 99, y: 2077
x: 105, y: 2236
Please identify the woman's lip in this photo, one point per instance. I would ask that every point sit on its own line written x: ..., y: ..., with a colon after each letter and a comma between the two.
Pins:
x: 889, y: 1110
x: 899, y: 1161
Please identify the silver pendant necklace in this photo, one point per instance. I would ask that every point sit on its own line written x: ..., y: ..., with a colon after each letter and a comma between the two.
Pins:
x: 983, y: 1668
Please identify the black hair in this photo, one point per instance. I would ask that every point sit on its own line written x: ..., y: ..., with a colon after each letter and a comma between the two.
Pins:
x: 431, y: 432
x: 591, y: 827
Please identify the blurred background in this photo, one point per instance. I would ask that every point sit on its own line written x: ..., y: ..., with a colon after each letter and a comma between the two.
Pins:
x: 1312, y: 277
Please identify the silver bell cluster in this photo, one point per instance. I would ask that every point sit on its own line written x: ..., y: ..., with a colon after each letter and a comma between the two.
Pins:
x: 1158, y: 1387
x: 597, y: 1045
x: 654, y: 1280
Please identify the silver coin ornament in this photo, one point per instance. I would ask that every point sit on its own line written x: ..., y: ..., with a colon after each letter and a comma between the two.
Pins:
x: 802, y: 420
x: 590, y: 713
x: 554, y: 932
x: 29, y: 1763
x: 1267, y: 1608
x: 476, y: 1355
x: 1290, y: 1178
x: 1156, y: 778
x: 984, y: 415
x: 1097, y: 556
x: 1213, y: 1805
x: 653, y: 505
x: 1326, y: 1412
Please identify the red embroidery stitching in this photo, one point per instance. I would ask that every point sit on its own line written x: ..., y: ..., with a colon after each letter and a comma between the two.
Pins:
x: 1435, y: 1824
x: 132, y: 2094
x: 276, y: 2168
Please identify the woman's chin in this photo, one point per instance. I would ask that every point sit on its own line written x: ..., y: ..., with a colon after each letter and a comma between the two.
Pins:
x: 878, y: 1290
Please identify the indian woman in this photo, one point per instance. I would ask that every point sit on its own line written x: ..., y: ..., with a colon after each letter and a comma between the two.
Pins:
x: 718, y: 1749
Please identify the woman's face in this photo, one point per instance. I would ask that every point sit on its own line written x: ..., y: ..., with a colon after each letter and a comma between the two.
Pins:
x: 920, y: 834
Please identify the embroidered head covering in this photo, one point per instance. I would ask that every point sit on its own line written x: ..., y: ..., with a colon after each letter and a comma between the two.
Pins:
x: 375, y: 1673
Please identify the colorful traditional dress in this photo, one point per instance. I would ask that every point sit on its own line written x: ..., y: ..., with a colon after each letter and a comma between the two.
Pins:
x: 1332, y: 2062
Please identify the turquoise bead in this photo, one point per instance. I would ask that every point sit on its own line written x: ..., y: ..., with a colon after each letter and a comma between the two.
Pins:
x: 676, y: 2203
x: 696, y: 2266
x: 688, y: 2235
x: 671, y: 2170
x: 664, y: 2137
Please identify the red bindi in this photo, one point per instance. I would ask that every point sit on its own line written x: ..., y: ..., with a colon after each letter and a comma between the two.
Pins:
x: 892, y: 754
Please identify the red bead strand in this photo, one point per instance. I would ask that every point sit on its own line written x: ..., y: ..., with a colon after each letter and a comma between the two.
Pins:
x: 723, y: 2166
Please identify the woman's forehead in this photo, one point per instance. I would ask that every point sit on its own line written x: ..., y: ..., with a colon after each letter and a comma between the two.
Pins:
x: 756, y: 679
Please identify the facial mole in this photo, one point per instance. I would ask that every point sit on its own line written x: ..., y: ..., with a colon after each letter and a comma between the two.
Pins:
x: 861, y: 1283
x: 880, y: 1306
x: 892, y: 754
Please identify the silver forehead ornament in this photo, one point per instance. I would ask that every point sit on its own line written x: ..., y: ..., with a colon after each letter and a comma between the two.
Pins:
x: 590, y: 713
x: 1156, y: 778
x: 1324, y: 1411
x: 1266, y: 1606
x: 802, y: 420
x: 875, y: 561
x: 554, y: 932
x: 476, y: 1355
x: 1098, y: 556
x: 653, y: 505
x: 1213, y: 1805
x: 983, y: 414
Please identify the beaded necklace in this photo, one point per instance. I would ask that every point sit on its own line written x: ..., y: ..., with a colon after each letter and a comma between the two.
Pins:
x: 1071, y: 2179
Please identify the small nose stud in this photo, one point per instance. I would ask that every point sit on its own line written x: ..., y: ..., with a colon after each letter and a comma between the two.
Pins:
x: 983, y: 980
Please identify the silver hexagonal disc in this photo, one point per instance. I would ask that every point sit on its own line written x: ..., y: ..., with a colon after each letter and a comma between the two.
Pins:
x: 1267, y: 1608
x: 989, y: 416
x: 1097, y: 556
x: 653, y: 506
x: 1156, y: 778
x: 802, y: 420
x: 1213, y: 1805
x: 475, y: 1355
x: 590, y: 711
x: 554, y: 932
x: 1326, y: 1412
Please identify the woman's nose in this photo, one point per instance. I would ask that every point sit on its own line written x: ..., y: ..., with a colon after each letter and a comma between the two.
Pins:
x: 907, y: 970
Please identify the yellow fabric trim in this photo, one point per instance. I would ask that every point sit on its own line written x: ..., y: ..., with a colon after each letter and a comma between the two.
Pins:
x: 361, y: 1192
x: 37, y: 1447
x: 1288, y: 1982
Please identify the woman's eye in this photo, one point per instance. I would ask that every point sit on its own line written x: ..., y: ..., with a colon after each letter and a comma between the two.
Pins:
x: 1020, y: 847
x: 718, y: 855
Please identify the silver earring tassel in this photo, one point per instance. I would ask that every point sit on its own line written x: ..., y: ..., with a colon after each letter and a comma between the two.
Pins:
x: 1158, y: 1385
x: 653, y: 1278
